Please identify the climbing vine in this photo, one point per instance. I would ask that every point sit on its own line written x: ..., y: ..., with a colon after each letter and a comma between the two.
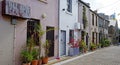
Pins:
x: 84, y: 17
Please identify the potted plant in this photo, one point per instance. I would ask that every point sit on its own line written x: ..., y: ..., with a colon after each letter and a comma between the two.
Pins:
x: 35, y: 56
x: 92, y: 46
x: 26, y: 54
x: 26, y: 57
x: 40, y: 32
x: 83, y: 46
x: 98, y: 45
x: 46, y: 46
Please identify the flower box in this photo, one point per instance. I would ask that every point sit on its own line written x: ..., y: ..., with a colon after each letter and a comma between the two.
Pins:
x: 73, y: 51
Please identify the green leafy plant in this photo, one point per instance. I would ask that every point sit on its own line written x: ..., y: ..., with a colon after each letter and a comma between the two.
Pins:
x: 46, y: 46
x: 26, y: 56
x: 41, y: 32
x: 98, y: 45
x: 35, y: 53
x: 30, y: 44
x: 92, y: 46
x: 84, y: 17
x: 105, y: 42
x: 82, y: 46
x: 102, y: 42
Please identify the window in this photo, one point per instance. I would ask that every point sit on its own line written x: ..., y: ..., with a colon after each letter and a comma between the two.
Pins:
x: 92, y: 19
x: 71, y: 34
x: 93, y: 37
x: 96, y: 38
x: 96, y: 20
x: 31, y: 32
x: 69, y: 4
x: 82, y: 35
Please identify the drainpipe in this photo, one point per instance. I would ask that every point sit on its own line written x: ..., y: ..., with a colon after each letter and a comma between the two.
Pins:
x: 14, y: 44
x: 14, y: 22
x: 58, y: 54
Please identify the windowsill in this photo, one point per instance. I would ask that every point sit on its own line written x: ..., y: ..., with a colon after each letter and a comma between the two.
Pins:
x: 68, y: 13
x: 44, y: 1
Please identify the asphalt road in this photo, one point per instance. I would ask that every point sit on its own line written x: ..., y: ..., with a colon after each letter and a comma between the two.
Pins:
x: 105, y: 56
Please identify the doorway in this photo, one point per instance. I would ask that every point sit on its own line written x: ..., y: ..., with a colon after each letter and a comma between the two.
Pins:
x: 63, y: 43
x: 50, y: 38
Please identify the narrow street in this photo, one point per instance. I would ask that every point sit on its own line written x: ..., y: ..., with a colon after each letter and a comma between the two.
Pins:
x: 105, y: 56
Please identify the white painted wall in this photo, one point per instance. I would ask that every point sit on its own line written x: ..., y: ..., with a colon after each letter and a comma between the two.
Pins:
x: 67, y: 20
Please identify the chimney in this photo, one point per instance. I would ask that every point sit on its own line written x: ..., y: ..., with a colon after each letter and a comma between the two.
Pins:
x: 88, y: 4
x: 95, y: 11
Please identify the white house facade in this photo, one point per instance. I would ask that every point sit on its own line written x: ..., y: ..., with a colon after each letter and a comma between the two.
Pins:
x: 68, y: 21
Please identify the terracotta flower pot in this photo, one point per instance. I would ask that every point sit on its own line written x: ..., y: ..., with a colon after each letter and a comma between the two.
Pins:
x: 85, y: 51
x: 45, y: 60
x: 26, y: 63
x: 93, y: 49
x: 35, y: 62
x: 40, y: 62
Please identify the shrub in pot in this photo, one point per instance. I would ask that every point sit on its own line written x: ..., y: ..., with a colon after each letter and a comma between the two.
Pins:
x: 92, y: 46
x: 41, y: 32
x: 83, y: 46
x: 98, y: 45
x: 107, y: 43
x: 26, y: 57
x: 46, y: 46
x: 35, y: 56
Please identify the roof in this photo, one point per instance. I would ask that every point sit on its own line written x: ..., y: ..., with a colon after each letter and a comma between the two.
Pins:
x: 84, y: 3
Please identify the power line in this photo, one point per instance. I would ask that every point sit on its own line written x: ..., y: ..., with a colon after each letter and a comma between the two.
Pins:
x: 113, y: 7
x: 109, y: 5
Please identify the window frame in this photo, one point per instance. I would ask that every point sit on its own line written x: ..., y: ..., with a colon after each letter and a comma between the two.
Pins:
x: 31, y: 30
x: 69, y: 6
x: 92, y: 19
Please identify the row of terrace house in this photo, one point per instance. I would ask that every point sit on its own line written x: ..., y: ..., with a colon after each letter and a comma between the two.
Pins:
x: 85, y: 22
x: 71, y: 21
x: 103, y: 26
x: 113, y: 29
x: 94, y: 33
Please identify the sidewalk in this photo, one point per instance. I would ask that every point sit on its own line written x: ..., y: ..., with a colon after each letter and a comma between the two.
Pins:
x: 65, y: 59
x: 74, y: 58
x: 104, y: 56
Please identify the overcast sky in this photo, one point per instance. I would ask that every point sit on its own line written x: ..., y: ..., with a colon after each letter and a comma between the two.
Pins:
x: 106, y: 6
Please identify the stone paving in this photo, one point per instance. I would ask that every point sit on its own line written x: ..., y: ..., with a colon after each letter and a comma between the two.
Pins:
x: 105, y: 56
